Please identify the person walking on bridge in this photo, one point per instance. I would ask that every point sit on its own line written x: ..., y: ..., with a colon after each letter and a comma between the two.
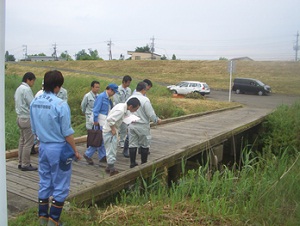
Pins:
x: 139, y: 131
x: 102, y: 106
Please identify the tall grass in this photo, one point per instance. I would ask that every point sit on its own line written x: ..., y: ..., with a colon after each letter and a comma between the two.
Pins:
x: 279, y: 127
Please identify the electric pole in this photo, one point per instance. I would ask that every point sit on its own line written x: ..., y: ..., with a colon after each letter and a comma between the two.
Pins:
x: 109, y: 43
x: 296, y: 47
x: 54, y: 54
x: 152, y: 49
x: 25, y: 51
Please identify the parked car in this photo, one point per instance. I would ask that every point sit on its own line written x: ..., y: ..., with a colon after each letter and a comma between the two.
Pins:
x: 250, y: 85
x: 186, y: 87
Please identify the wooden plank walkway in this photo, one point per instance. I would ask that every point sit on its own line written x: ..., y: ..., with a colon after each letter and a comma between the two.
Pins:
x: 171, y: 142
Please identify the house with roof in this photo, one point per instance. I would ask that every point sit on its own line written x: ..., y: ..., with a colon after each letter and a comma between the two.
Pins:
x: 243, y: 59
x: 44, y: 58
x: 143, y: 55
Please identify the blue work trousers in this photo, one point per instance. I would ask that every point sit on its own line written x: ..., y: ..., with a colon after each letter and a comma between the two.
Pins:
x: 101, y: 150
x: 53, y: 181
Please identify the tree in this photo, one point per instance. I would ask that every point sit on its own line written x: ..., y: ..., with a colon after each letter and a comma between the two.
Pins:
x: 66, y: 56
x: 9, y: 57
x: 173, y: 57
x: 92, y: 55
x: 223, y: 58
x: 163, y: 57
x: 40, y: 54
x: 145, y: 49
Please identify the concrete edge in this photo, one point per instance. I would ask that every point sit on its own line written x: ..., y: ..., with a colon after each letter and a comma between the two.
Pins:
x: 14, y: 152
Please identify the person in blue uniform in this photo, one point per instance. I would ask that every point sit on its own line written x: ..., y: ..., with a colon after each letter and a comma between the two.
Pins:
x: 102, y: 106
x: 51, y: 122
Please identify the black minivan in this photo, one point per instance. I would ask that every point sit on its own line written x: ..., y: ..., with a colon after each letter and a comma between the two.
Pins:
x: 250, y: 85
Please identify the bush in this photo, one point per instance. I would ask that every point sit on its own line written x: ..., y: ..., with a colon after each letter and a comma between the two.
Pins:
x: 195, y: 95
x: 165, y: 108
x: 282, y: 129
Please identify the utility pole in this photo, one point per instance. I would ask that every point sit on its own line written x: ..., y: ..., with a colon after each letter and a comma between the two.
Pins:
x: 152, y: 49
x: 296, y: 46
x: 3, y: 195
x: 25, y: 51
x: 231, y: 69
x: 109, y: 43
x: 54, y: 54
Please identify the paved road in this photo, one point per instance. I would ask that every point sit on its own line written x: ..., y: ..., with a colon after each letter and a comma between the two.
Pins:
x: 271, y: 101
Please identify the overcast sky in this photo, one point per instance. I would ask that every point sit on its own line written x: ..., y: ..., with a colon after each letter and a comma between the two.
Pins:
x: 190, y: 29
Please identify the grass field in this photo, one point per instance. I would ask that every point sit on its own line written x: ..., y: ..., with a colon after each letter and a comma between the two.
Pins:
x: 283, y: 77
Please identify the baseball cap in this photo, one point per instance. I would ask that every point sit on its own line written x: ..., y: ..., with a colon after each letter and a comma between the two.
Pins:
x: 66, y: 157
x: 114, y: 87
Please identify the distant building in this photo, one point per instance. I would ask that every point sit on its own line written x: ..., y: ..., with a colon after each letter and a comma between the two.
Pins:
x: 143, y: 56
x: 44, y: 58
x: 243, y: 59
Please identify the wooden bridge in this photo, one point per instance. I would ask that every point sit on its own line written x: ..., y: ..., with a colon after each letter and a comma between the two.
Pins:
x: 173, y: 140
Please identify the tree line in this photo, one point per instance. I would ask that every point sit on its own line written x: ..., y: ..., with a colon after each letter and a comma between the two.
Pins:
x: 84, y: 55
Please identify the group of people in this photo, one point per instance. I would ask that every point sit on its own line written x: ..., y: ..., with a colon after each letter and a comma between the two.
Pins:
x: 47, y: 117
x: 108, y: 110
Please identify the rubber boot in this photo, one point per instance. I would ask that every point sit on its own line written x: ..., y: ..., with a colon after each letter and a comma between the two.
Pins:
x: 43, y: 211
x: 144, y: 154
x: 126, y: 148
x: 55, y: 211
x: 132, y: 155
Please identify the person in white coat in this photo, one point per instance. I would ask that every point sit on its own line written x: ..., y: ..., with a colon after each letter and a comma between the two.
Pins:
x: 110, y: 130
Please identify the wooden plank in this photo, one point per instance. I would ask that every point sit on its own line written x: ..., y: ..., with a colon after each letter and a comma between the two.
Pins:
x: 24, y: 192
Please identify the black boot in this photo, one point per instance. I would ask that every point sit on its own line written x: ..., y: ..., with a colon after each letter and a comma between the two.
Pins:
x: 126, y: 148
x: 132, y: 154
x: 43, y: 211
x: 144, y: 154
x: 55, y: 212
